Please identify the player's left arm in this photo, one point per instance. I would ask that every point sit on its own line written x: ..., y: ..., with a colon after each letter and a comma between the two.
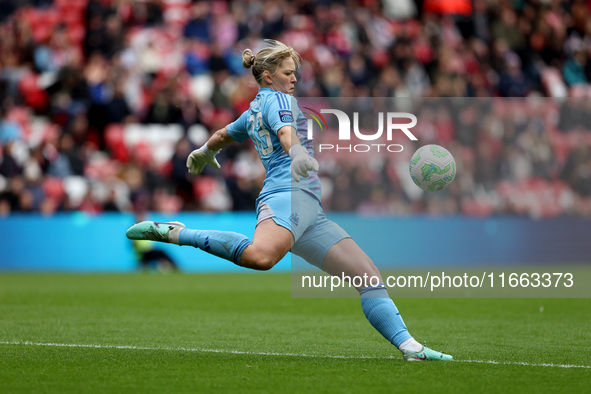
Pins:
x: 301, y: 161
x: 288, y: 137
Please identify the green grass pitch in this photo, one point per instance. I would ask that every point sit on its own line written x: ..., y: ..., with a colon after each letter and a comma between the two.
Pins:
x: 144, y: 333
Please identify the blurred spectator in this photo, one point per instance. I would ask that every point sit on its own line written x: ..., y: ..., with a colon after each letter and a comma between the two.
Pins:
x: 66, y: 161
x: 117, y: 110
x: 198, y: 27
x: 574, y: 68
x: 164, y: 109
x: 179, y: 175
x: 512, y: 82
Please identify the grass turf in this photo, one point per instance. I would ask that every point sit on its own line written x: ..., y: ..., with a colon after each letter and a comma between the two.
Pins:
x: 152, y: 317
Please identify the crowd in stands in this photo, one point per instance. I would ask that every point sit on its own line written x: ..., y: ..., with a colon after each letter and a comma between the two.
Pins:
x: 102, y: 100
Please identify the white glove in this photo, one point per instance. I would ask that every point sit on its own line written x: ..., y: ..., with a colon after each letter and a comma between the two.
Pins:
x: 199, y: 158
x: 301, y: 162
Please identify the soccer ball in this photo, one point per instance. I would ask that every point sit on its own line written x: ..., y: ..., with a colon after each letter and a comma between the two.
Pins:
x: 432, y: 168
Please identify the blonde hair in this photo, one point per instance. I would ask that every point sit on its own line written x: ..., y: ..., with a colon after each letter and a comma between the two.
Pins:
x: 269, y: 59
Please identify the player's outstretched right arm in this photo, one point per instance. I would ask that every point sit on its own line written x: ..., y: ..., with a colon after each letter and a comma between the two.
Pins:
x: 199, y: 158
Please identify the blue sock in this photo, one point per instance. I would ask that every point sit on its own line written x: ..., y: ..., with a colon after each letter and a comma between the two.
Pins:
x: 225, y: 244
x: 383, y: 315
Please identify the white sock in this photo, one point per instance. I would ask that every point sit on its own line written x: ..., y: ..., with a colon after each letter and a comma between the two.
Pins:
x: 173, y: 235
x: 411, y: 344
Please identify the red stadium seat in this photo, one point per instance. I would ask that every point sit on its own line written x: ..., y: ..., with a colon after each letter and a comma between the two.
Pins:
x: 142, y: 152
x: 115, y: 142
x: 53, y: 188
x: 203, y: 185
x: 33, y: 96
x: 77, y: 5
x: 474, y: 207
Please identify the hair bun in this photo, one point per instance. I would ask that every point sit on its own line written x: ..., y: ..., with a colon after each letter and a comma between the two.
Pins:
x: 247, y: 58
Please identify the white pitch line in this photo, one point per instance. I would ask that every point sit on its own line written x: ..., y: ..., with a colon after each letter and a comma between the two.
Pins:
x: 184, y: 349
x: 524, y: 364
x: 224, y: 351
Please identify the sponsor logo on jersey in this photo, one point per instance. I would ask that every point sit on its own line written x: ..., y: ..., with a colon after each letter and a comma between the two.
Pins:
x: 285, y: 116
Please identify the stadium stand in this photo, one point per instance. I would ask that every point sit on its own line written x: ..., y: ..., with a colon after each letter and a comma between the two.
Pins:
x: 102, y: 100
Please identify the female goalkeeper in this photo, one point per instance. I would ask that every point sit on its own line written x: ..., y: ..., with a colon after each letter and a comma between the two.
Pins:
x: 289, y: 214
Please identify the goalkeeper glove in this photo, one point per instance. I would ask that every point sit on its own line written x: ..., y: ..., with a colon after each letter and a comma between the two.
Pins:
x: 199, y: 158
x: 301, y: 162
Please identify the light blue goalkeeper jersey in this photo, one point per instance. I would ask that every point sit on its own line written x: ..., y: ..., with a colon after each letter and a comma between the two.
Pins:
x: 269, y: 112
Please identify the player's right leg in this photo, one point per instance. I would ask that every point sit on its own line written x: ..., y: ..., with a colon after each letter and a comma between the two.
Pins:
x: 270, y: 243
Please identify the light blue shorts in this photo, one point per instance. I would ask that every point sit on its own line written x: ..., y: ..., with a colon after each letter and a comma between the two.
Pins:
x: 301, y: 213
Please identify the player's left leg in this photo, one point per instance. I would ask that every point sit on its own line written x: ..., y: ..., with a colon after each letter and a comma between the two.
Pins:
x: 330, y: 248
x: 346, y: 257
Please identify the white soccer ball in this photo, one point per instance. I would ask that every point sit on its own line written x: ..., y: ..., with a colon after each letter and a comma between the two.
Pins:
x: 432, y: 168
